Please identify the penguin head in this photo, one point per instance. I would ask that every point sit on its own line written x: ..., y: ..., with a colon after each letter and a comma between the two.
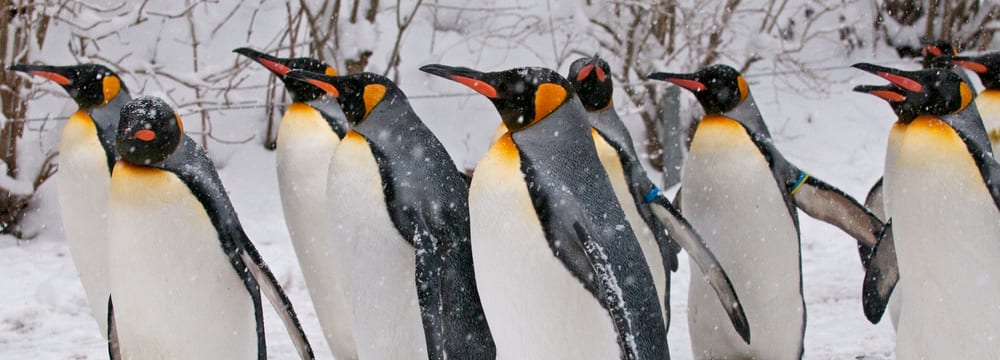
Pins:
x: 937, y: 54
x: 905, y: 107
x: 297, y: 89
x: 591, y: 77
x: 90, y: 85
x: 932, y: 91
x: 719, y: 88
x: 149, y: 131
x: 987, y: 66
x: 357, y: 94
x: 522, y: 96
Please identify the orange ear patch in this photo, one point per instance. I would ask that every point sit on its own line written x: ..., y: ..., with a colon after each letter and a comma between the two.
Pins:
x: 966, y: 94
x: 329, y: 88
x: 479, y: 86
x: 373, y: 95
x: 180, y: 124
x: 744, y: 88
x: 547, y: 99
x: 111, y: 86
x: 330, y: 71
x: 59, y: 79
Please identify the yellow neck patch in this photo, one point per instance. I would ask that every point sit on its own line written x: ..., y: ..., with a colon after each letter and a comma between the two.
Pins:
x: 373, y: 95
x: 548, y: 97
x: 111, y: 85
x: 330, y: 71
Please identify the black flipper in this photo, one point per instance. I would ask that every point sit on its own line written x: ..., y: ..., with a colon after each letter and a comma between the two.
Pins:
x: 268, y: 284
x: 611, y: 295
x: 688, y: 238
x: 429, y: 288
x: 114, y: 349
x: 828, y: 204
x: 881, y: 277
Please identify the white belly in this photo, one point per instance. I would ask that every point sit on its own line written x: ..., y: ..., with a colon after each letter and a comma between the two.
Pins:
x: 947, y: 232
x: 891, y: 153
x: 731, y: 198
x: 373, y: 258
x: 305, y: 146
x: 176, y: 295
x: 536, y: 309
x: 83, y: 181
x: 650, y: 249
x: 988, y: 103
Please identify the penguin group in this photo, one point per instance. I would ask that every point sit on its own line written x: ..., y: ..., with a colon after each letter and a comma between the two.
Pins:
x: 558, y: 246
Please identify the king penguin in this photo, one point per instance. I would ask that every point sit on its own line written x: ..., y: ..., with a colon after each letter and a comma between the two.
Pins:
x: 185, y: 279
x: 86, y: 157
x: 987, y: 67
x: 944, y: 199
x: 640, y: 198
x: 398, y: 210
x: 309, y: 133
x: 740, y: 192
x: 559, y: 270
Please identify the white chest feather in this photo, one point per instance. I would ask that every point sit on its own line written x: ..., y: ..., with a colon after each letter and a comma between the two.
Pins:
x: 305, y: 146
x: 536, y: 309
x: 175, y: 292
x: 372, y: 258
x: 83, y: 181
x: 650, y: 250
x: 729, y: 194
x: 947, y: 232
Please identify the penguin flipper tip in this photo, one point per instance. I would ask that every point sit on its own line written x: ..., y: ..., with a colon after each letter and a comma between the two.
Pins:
x: 881, y: 277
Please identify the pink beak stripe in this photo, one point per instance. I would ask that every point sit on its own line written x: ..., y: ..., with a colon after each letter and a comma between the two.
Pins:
x: 689, y: 84
x: 478, y: 86
x: 903, y: 82
x: 971, y: 65
x: 600, y: 73
x: 59, y: 79
x: 274, y: 67
x: 584, y: 72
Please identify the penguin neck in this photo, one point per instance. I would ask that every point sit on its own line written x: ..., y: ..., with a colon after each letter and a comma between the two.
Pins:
x: 610, y: 126
x: 105, y: 119
x: 969, y: 126
x: 748, y: 115
x: 965, y: 77
x: 568, y: 121
x: 392, y: 112
x: 330, y: 109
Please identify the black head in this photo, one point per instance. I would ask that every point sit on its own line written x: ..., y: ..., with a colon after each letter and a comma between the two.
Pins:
x: 591, y: 77
x: 905, y: 107
x: 930, y: 92
x: 149, y: 131
x: 987, y: 66
x: 90, y: 85
x: 937, y: 54
x: 522, y: 96
x: 357, y: 94
x: 299, y: 90
x: 719, y: 88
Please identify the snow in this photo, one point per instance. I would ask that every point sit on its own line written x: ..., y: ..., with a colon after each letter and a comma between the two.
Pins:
x: 820, y: 125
